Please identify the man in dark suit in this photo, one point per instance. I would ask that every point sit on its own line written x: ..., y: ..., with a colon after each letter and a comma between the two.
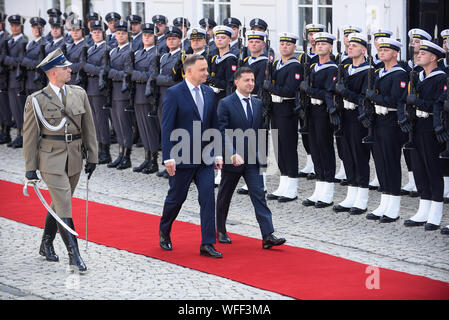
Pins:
x: 187, y: 106
x: 242, y: 112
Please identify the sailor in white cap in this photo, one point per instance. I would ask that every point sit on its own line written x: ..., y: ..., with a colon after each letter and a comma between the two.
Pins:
x: 379, y: 33
x: 347, y: 30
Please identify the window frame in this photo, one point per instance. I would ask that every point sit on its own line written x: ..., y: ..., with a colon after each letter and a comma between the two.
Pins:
x: 315, y: 16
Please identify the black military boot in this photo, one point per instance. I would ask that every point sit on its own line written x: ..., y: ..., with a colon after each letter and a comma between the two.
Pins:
x: 119, y: 159
x: 18, y: 142
x: 152, y: 166
x: 104, y: 156
x: 47, y: 250
x: 144, y: 164
x: 126, y: 161
x: 5, y: 136
x: 76, y: 263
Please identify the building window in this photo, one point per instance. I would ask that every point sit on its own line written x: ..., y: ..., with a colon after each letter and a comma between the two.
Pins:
x: 313, y: 11
x: 218, y: 10
x: 133, y: 7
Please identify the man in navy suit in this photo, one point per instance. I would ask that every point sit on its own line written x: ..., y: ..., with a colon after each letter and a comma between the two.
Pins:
x: 186, y: 106
x: 241, y: 114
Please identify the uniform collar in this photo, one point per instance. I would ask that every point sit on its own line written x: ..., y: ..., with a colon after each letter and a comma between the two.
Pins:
x: 56, y: 89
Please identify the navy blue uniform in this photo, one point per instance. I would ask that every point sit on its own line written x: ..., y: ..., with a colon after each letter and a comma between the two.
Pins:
x: 259, y: 66
x: 5, y: 112
x: 221, y: 78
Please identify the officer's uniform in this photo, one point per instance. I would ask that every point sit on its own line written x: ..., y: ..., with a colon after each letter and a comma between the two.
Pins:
x: 110, y: 38
x: 427, y: 166
x: 148, y: 127
x: 285, y: 80
x: 16, y: 50
x: 198, y: 33
x: 390, y: 90
x: 321, y: 130
x: 136, y: 39
x: 55, y: 150
x: 74, y: 53
x: 162, y: 39
x: 356, y: 155
x: 95, y: 63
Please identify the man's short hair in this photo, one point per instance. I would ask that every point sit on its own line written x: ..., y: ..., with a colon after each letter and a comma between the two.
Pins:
x: 191, y: 59
x: 242, y: 70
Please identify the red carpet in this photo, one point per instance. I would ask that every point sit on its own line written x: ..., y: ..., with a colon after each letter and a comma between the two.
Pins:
x: 292, y: 271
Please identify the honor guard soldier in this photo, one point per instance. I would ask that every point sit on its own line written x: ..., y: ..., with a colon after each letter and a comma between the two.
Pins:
x: 57, y: 33
x: 35, y: 53
x: 75, y: 50
x: 96, y: 64
x: 90, y: 17
x: 443, y: 64
x: 208, y: 25
x: 260, y: 25
x: 160, y: 22
x: 356, y: 155
x: 5, y: 111
x: 286, y: 76
x: 58, y: 123
x: 380, y: 33
x: 136, y: 31
x: 111, y: 18
x: 235, y: 25
x: 429, y: 134
x: 197, y: 39
x: 323, y: 119
x: 16, y: 74
x: 311, y: 57
x: 390, y: 88
x: 148, y: 126
x: 122, y: 120
x: 52, y: 13
x: 347, y: 30
x: 166, y: 77
x: 68, y: 17
x: 184, y: 25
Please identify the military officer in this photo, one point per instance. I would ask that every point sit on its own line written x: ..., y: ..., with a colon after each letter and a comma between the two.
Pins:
x: 16, y: 88
x: 111, y: 19
x: 286, y: 76
x: 390, y: 90
x: 95, y: 64
x: 52, y: 13
x: 75, y: 50
x: 57, y: 33
x: 235, y: 25
x: 429, y: 133
x: 197, y: 39
x: 136, y: 31
x: 160, y: 22
x: 57, y: 122
x: 5, y: 112
x: 148, y: 126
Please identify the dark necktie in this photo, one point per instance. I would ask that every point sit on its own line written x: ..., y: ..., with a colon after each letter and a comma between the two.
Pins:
x: 63, y: 97
x: 249, y: 112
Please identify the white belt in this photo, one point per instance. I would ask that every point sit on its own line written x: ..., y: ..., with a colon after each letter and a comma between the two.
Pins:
x: 422, y: 114
x: 278, y: 99
x: 216, y: 90
x: 316, y: 101
x: 383, y: 110
x: 348, y: 105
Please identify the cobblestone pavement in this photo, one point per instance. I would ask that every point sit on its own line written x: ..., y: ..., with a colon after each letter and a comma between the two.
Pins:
x: 118, y: 274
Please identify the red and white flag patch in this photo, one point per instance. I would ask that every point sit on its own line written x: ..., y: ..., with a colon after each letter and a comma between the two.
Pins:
x: 403, y: 84
x: 334, y: 78
x: 234, y: 67
x: 445, y: 87
x: 297, y: 76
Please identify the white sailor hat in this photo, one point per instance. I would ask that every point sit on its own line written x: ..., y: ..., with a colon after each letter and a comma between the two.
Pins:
x: 288, y: 36
x: 258, y: 35
x: 351, y: 29
x: 432, y: 47
x: 445, y: 34
x: 389, y: 44
x: 196, y: 33
x: 419, y: 34
x: 315, y: 27
x: 223, y: 30
x: 54, y: 59
x: 324, y: 37
x: 358, y: 38
x: 382, y: 33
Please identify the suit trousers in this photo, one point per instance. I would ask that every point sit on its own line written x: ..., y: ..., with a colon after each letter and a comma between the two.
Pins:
x: 254, y: 181
x: 203, y: 176
x: 123, y: 123
x: 149, y: 128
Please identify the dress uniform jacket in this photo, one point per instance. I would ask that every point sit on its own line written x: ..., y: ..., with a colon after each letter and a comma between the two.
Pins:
x: 222, y: 74
x: 30, y: 61
x: 165, y: 77
x: 5, y: 112
x: 258, y: 65
x: 74, y: 52
x: 52, y: 45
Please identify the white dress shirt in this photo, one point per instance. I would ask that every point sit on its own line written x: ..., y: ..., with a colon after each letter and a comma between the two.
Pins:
x: 241, y: 97
x: 56, y: 90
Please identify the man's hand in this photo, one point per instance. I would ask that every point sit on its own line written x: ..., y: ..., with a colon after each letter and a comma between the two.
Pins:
x: 218, y: 163
x: 89, y: 168
x: 170, y: 166
x: 31, y: 175
x: 237, y: 160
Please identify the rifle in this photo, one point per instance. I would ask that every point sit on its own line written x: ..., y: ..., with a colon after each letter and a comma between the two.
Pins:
x: 265, y: 96
x: 303, y: 100
x: 338, y: 99
x: 242, y: 45
x: 39, y: 75
x: 410, y: 109
x: 20, y: 72
x: 128, y: 84
x: 81, y: 76
x: 103, y: 81
x: 152, y: 89
x: 208, y: 45
x: 368, y: 105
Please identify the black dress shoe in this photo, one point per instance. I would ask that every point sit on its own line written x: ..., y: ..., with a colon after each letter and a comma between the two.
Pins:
x: 302, y: 174
x: 339, y: 208
x: 308, y: 203
x: 161, y: 173
x: 386, y: 219
x: 431, y: 227
x: 242, y: 191
x: 404, y: 192
x: 208, y: 250
x: 411, y: 223
x: 344, y: 182
x: 414, y: 194
x: 270, y: 241
x: 165, y: 242
x: 321, y: 204
x: 116, y: 162
x: 357, y: 211
x: 372, y: 216
x: 286, y: 199
x: 311, y: 176
x: 223, y: 238
x: 373, y: 187
x: 445, y: 230
x: 271, y: 196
